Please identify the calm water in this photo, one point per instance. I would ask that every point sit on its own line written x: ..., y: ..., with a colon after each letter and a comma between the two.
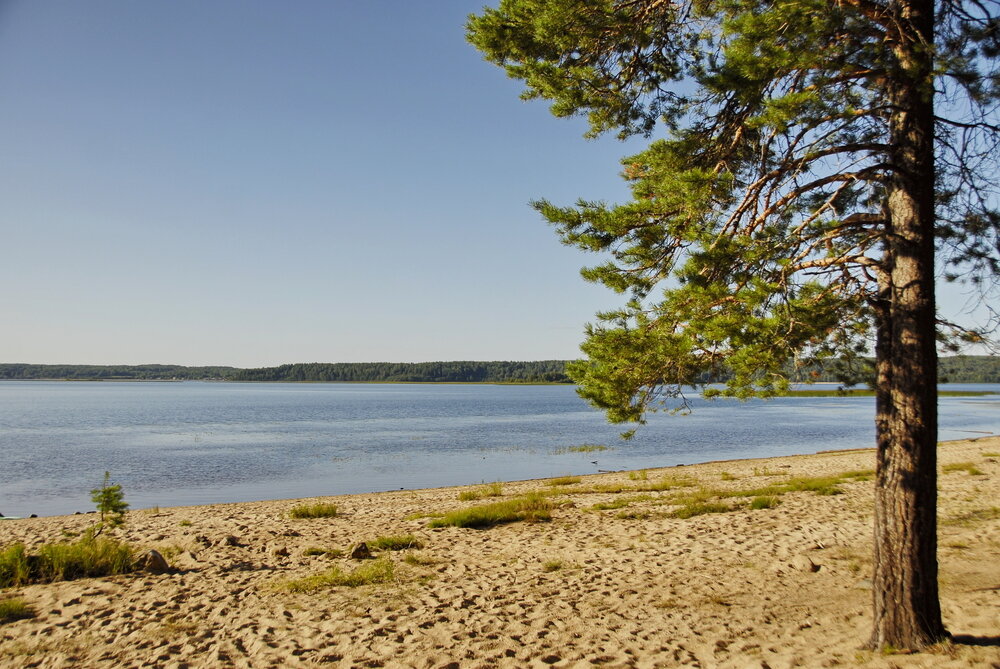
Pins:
x: 193, y: 443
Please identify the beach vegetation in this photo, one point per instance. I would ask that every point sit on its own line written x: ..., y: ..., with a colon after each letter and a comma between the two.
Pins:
x: 395, y: 543
x: 420, y: 515
x: 641, y: 475
x: 764, y: 502
x: 582, y: 448
x: 417, y: 559
x: 692, y: 509
x: 494, y: 489
x: 14, y: 608
x: 563, y: 481
x: 991, y: 454
x: 633, y: 514
x: 315, y: 510
x: 89, y: 556
x: 530, y: 508
x: 553, y: 565
x: 185, y: 523
x: 374, y: 572
x: 726, y: 476
x: 968, y: 467
x: 110, y: 501
x: 331, y: 553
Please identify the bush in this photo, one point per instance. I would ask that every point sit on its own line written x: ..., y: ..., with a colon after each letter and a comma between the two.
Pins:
x: 14, y: 568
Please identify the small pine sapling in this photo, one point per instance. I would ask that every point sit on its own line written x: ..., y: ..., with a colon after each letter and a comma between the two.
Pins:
x: 110, y: 501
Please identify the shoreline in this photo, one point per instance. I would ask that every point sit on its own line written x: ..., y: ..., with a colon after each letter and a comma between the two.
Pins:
x: 614, y: 579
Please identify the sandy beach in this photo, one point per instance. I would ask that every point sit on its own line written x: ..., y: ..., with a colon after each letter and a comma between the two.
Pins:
x: 614, y: 579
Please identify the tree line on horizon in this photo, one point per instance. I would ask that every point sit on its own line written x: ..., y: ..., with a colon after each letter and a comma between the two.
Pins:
x: 951, y: 369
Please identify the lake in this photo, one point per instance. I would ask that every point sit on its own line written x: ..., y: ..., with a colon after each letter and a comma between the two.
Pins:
x: 173, y: 444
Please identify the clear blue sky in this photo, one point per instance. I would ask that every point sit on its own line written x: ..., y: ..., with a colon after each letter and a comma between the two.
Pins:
x: 251, y: 183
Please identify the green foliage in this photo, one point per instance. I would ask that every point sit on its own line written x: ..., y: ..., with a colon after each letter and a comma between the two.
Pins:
x: 494, y: 489
x: 564, y: 480
x: 13, y: 608
x: 700, y: 508
x: 316, y: 510
x: 967, y: 467
x: 531, y: 508
x: 395, y: 543
x: 760, y: 210
x: 14, y: 566
x: 764, y: 502
x: 87, y: 557
x: 110, y: 502
x: 583, y: 448
x: 376, y: 571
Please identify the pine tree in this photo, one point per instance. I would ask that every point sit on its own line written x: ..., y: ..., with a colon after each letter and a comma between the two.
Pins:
x: 813, y: 160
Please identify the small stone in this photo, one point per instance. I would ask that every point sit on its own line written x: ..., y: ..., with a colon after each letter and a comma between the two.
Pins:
x: 279, y: 551
x: 154, y: 562
x: 228, y: 540
x: 361, y: 552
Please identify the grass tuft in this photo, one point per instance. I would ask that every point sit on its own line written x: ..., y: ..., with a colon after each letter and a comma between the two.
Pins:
x: 395, y: 543
x: 700, y: 508
x: 552, y: 565
x: 764, y: 502
x: 967, y: 467
x: 317, y: 510
x: 492, y: 490
x: 14, y: 609
x: 564, y: 480
x: 583, y: 448
x: 377, y: 571
x: 529, y: 508
x: 641, y: 475
x: 65, y: 561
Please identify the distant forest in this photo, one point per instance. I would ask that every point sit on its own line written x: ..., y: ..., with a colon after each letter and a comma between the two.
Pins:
x: 952, y: 369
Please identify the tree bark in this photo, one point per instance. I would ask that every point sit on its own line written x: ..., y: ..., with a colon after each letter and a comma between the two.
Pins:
x: 907, y: 611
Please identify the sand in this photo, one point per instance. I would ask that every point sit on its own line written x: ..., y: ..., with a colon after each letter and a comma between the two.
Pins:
x: 633, y: 586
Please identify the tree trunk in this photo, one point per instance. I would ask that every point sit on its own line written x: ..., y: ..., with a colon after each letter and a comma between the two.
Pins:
x: 907, y: 612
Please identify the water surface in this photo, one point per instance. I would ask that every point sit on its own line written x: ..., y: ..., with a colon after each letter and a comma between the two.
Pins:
x: 194, y: 443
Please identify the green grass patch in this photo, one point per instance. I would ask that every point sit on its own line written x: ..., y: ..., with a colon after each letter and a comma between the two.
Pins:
x: 583, y: 448
x: 764, y: 502
x: 317, y: 510
x: 399, y: 542
x: 328, y: 552
x: 185, y: 523
x: 990, y: 454
x: 87, y: 557
x: 641, y: 475
x: 726, y: 476
x: 621, y: 502
x: 418, y: 560
x: 552, y: 565
x: 700, y: 509
x: 564, y: 480
x: 14, y: 609
x: 492, y: 490
x: 968, y: 467
x: 530, y: 508
x: 973, y: 517
x: 377, y: 571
